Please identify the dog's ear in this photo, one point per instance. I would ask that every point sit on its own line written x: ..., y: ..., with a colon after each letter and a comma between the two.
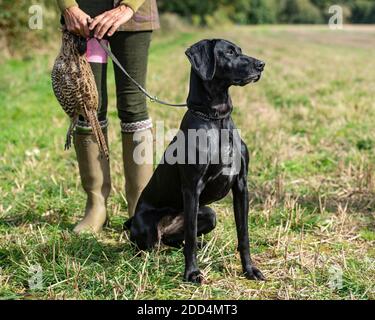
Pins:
x: 202, y: 57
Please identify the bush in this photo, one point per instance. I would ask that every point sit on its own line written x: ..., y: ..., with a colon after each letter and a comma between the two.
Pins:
x: 238, y: 11
x: 363, y: 12
x: 172, y: 22
x: 264, y: 11
x: 220, y: 17
x: 300, y: 11
x: 14, y: 18
x: 190, y: 8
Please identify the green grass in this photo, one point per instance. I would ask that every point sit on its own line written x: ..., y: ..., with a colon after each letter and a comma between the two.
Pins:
x: 309, y: 126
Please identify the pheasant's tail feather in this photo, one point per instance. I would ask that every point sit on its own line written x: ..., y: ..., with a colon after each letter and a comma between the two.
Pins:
x: 98, y: 133
x: 68, y: 142
x: 69, y: 135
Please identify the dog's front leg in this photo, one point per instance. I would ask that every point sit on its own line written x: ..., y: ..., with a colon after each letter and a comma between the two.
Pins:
x: 191, y: 206
x: 241, y: 213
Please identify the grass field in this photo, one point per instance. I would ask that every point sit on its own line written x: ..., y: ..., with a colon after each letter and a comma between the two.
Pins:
x: 309, y: 124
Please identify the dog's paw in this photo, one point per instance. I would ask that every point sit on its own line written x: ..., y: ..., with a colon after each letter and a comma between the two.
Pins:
x: 253, y: 273
x: 193, y: 276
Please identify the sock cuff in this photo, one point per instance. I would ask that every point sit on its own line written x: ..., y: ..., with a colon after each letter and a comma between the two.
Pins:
x: 84, y: 126
x: 131, y: 127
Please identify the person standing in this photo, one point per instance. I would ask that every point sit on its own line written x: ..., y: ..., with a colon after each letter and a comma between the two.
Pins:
x: 128, y: 25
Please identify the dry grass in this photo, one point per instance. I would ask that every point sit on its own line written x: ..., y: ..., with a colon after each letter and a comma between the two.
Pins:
x: 309, y: 126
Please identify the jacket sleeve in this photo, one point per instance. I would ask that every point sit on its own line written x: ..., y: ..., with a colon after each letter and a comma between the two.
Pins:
x: 64, y: 4
x: 133, y: 4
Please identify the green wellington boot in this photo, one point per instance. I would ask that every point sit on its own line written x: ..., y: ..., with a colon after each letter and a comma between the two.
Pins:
x: 96, y: 181
x: 136, y: 175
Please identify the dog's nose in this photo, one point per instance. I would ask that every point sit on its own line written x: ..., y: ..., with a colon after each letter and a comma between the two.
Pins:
x: 260, y: 65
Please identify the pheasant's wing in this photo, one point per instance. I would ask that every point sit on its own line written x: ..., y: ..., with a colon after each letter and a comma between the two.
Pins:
x: 65, y: 84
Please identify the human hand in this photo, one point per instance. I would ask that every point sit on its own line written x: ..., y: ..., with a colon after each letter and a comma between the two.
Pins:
x: 109, y: 21
x: 77, y: 21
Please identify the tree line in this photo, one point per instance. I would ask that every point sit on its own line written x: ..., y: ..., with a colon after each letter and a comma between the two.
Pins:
x: 15, y: 15
x: 269, y: 11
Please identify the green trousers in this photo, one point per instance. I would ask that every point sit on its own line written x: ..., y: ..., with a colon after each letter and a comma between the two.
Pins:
x: 131, y: 49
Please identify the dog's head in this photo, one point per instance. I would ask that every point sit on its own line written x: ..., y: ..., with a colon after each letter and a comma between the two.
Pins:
x: 221, y: 59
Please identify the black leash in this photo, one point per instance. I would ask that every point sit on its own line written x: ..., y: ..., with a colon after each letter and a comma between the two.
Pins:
x: 143, y: 90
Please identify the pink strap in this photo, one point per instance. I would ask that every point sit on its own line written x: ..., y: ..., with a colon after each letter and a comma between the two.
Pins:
x: 95, y: 52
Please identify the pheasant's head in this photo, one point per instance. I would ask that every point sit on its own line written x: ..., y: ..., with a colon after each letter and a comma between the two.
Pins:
x: 73, y: 44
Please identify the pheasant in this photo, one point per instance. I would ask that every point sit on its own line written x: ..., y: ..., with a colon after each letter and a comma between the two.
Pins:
x: 74, y: 86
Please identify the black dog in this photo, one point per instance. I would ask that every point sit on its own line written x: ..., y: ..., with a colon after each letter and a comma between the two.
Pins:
x: 173, y: 207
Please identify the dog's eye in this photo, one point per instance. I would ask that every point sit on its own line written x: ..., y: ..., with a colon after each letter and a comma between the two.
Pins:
x: 230, y: 52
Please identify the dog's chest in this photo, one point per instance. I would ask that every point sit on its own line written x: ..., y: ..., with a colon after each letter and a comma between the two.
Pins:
x: 223, y: 168
x: 222, y: 153
x: 217, y: 185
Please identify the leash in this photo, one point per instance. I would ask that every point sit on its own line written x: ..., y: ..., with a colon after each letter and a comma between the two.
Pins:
x: 143, y: 90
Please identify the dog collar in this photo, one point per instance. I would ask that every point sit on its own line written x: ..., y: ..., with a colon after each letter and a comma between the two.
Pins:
x: 208, y: 117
